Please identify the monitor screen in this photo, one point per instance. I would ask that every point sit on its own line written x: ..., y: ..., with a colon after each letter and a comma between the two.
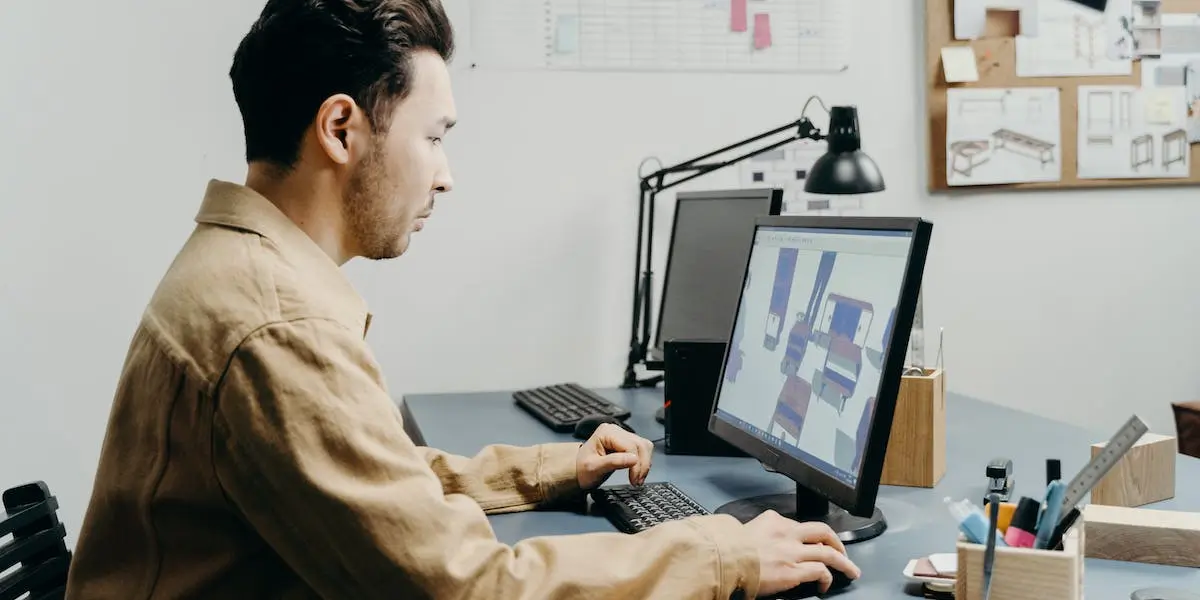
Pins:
x: 805, y: 359
x: 706, y: 260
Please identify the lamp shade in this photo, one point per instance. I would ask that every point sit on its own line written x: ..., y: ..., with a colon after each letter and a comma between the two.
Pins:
x: 844, y: 168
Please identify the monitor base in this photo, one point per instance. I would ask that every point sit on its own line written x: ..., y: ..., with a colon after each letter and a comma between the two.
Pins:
x: 805, y: 506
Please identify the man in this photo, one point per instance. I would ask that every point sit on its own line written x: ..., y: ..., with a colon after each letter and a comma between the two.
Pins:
x: 253, y: 450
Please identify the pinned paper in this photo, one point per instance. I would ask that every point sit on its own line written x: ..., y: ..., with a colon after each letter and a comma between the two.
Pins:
x: 958, y: 64
x: 737, y: 15
x: 1159, y: 106
x: 566, y: 34
x: 762, y: 31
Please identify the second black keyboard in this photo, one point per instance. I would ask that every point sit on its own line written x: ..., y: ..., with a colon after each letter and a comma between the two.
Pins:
x: 637, y: 508
x: 562, y: 405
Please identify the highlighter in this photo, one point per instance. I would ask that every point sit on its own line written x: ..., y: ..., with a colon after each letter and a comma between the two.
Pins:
x: 1050, y: 517
x: 1022, y: 530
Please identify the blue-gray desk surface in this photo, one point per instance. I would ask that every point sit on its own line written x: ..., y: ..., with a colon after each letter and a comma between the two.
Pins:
x: 918, y: 522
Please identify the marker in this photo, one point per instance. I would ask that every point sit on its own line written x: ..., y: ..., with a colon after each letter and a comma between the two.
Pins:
x: 1053, y: 470
x: 1056, y: 539
x: 1049, y: 520
x: 1021, y: 531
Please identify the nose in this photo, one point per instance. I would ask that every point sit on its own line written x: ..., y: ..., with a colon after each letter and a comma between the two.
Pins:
x: 443, y: 183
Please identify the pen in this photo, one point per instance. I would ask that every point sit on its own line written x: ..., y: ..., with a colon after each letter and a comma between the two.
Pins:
x: 1049, y: 520
x: 989, y: 553
x: 1056, y: 539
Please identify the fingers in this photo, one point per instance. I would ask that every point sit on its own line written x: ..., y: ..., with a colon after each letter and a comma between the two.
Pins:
x: 811, y: 571
x: 830, y: 557
x: 815, y: 532
x: 617, y: 460
x: 611, y: 438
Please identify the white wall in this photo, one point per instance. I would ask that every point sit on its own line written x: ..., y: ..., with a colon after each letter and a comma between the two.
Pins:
x: 1074, y: 305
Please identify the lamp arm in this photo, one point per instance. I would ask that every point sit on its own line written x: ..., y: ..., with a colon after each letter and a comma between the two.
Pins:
x: 650, y: 186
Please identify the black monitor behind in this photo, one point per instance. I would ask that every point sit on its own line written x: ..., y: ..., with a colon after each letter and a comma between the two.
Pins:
x: 819, y: 496
x: 711, y: 234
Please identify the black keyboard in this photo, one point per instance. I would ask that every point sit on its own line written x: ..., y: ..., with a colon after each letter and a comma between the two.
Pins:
x: 632, y: 509
x: 562, y: 405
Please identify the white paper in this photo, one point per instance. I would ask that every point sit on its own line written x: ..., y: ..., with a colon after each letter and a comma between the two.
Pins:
x: 1136, y: 30
x: 1177, y: 70
x: 1072, y: 41
x: 958, y: 64
x: 970, y: 16
x: 1121, y: 135
x: 1002, y: 135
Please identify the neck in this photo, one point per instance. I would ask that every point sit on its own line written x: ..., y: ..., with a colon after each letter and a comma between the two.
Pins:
x: 309, y: 200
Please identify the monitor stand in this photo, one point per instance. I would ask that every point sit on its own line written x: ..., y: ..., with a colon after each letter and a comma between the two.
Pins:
x: 805, y: 506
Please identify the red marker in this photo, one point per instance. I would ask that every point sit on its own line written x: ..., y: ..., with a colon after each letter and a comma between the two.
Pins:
x: 1021, y: 531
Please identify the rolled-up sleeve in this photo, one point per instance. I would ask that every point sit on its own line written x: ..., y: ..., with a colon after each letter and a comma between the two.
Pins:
x: 503, y: 478
x: 307, y: 448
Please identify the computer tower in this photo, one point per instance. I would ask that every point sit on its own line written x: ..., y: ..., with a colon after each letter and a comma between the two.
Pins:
x: 692, y: 369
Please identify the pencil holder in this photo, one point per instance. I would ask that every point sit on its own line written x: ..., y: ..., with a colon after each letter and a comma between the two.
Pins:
x: 1023, y: 573
x: 916, y: 453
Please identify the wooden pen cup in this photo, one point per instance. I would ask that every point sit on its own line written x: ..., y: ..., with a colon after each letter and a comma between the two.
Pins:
x: 916, y: 453
x: 1023, y: 573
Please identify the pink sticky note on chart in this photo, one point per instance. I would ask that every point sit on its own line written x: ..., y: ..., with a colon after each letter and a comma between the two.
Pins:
x: 737, y: 15
x: 762, y: 31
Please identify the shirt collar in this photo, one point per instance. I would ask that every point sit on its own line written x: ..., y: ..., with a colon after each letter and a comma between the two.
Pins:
x: 237, y: 206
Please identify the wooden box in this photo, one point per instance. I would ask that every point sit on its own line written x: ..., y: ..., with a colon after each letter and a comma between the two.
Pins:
x: 1145, y: 474
x: 916, y: 454
x: 1023, y: 573
x: 1160, y: 537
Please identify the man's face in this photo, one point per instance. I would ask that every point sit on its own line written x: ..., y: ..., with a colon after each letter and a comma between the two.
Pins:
x: 391, y: 191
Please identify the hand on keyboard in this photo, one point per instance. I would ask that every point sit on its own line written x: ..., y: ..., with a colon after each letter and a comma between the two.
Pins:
x: 612, y: 448
x: 792, y: 553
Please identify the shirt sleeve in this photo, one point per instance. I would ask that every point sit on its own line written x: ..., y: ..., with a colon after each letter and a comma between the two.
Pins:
x: 307, y: 448
x: 503, y: 478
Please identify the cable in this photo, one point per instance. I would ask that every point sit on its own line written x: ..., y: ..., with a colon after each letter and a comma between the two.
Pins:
x: 804, y: 110
x: 646, y: 160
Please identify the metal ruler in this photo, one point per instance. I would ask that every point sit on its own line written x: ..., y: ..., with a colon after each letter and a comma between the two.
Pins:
x: 1121, y: 442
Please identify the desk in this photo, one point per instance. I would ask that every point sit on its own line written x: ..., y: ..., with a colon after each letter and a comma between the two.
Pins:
x: 918, y: 523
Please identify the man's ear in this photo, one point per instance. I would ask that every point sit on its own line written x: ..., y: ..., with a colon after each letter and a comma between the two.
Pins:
x: 340, y: 127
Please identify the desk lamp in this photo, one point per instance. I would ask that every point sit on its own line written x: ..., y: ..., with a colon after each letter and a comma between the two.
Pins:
x: 843, y: 169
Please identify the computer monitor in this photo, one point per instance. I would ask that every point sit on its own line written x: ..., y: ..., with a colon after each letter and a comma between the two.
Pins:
x: 706, y: 258
x: 813, y: 366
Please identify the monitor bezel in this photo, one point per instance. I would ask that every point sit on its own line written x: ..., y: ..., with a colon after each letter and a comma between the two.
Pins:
x: 774, y: 196
x: 860, y: 500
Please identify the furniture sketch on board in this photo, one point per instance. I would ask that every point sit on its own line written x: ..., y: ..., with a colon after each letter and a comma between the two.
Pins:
x: 1024, y: 145
x: 1174, y: 145
x: 1141, y: 151
x: 995, y: 104
x: 972, y: 154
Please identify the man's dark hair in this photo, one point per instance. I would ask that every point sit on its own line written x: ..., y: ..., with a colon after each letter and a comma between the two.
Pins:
x: 300, y: 52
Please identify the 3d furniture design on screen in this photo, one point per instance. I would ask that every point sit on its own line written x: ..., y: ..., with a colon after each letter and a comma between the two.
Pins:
x: 965, y: 155
x: 1174, y: 145
x: 848, y: 321
x: 785, y: 272
x: 848, y: 449
x: 791, y: 407
x: 1024, y: 145
x: 1141, y: 151
x: 802, y: 331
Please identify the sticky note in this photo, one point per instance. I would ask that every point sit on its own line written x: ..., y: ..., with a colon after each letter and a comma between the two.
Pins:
x: 958, y: 64
x: 566, y: 34
x: 762, y: 31
x: 1159, y: 106
x: 737, y: 15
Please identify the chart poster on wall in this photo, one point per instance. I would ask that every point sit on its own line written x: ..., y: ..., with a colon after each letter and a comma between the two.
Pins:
x: 788, y: 36
x: 1002, y: 135
x: 1127, y: 132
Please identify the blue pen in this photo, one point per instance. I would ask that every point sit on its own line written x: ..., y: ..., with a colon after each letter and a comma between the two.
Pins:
x: 1049, y: 520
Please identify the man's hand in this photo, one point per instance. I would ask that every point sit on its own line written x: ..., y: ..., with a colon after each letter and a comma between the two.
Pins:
x: 791, y: 553
x: 611, y: 448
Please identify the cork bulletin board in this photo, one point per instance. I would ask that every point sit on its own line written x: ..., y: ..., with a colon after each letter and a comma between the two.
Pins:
x: 995, y: 55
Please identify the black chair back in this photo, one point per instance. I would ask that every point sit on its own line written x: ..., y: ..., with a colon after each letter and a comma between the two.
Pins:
x: 38, y: 545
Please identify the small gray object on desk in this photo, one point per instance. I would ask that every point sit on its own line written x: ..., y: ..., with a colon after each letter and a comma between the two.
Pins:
x: 918, y: 525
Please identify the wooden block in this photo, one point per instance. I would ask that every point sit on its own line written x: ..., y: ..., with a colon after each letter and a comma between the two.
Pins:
x: 1023, y: 573
x: 916, y: 454
x: 1160, y: 537
x: 1145, y: 474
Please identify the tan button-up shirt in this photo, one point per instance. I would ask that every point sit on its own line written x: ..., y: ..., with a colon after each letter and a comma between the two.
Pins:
x: 253, y: 451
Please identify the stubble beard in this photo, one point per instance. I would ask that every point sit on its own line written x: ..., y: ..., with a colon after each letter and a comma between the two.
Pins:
x: 379, y: 233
